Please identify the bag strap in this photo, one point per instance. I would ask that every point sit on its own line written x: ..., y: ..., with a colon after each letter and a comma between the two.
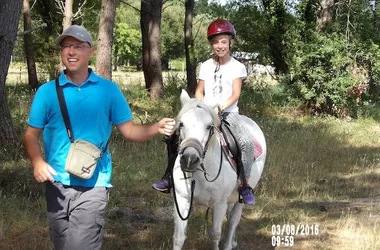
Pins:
x: 65, y: 113
x: 104, y: 149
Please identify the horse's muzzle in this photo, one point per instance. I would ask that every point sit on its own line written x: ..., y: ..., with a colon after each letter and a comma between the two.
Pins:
x: 190, y: 151
x: 190, y: 159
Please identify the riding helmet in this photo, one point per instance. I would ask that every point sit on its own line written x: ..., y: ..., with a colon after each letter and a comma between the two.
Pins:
x: 219, y: 27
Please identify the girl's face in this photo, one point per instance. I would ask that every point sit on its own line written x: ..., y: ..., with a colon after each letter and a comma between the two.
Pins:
x: 220, y: 45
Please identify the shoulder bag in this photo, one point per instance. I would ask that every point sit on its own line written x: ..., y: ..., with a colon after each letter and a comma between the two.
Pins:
x: 83, y: 156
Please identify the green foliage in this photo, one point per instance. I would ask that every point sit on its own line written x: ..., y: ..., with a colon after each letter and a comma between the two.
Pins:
x: 252, y: 31
x: 368, y: 56
x: 369, y: 110
x: 212, y: 8
x: 358, y: 19
x: 174, y: 83
x: 129, y: 13
x: 172, y: 33
x: 333, y: 72
x: 45, y: 50
x: 127, y: 43
x: 321, y: 74
x: 202, y: 49
x: 330, y: 76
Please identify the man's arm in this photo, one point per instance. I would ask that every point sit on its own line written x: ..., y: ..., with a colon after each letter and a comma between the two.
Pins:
x: 41, y: 170
x: 139, y: 133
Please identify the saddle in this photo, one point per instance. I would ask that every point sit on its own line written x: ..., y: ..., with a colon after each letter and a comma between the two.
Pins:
x: 233, y: 147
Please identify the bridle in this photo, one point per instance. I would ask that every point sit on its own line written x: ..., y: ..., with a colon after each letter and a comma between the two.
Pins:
x: 197, y: 145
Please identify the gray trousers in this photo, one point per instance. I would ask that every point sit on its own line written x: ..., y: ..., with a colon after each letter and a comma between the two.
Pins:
x: 76, y: 216
x: 244, y: 140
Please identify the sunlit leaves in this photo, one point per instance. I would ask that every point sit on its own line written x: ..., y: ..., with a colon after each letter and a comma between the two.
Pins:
x: 127, y: 43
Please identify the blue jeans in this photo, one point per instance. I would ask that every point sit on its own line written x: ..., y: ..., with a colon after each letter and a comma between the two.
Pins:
x: 76, y: 216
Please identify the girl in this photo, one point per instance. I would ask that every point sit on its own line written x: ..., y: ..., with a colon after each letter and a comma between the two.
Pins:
x: 220, y: 80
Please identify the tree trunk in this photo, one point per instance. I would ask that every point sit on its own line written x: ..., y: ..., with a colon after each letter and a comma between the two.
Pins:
x: 150, y: 22
x: 105, y: 38
x: 189, y: 47
x: 9, y: 17
x: 29, y: 48
x: 8, y: 135
x: 67, y: 15
x: 144, y: 24
x: 324, y: 14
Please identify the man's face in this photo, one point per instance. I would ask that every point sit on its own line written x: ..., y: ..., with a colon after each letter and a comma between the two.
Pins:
x: 220, y: 45
x: 75, y: 55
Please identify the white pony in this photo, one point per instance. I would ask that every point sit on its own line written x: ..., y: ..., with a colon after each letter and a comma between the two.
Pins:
x: 203, y: 172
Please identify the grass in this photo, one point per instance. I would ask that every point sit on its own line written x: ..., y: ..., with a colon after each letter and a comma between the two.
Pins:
x: 319, y: 171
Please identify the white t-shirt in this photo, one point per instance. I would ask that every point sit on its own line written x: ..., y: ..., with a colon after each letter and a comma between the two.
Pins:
x: 218, y: 85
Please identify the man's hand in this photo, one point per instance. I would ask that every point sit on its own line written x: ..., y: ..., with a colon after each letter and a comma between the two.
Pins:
x: 43, y: 172
x: 166, y: 126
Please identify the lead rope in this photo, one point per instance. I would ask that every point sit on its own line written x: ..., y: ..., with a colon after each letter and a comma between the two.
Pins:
x: 191, y: 197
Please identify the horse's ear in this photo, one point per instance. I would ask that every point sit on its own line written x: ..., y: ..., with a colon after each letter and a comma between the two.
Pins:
x: 184, y: 97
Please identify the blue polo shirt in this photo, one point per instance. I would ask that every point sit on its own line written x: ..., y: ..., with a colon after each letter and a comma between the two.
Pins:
x: 93, y: 108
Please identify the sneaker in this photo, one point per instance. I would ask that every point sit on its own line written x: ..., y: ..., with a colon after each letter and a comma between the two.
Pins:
x: 246, y: 193
x: 163, y: 185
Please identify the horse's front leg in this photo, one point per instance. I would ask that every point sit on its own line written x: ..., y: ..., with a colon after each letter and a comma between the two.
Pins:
x: 215, y: 232
x: 182, y: 198
x: 180, y: 225
x: 233, y: 221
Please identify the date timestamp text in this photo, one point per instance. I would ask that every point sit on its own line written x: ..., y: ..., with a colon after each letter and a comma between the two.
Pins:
x: 283, y: 235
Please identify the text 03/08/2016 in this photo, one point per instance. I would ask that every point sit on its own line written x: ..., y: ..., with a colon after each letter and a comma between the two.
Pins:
x: 294, y: 230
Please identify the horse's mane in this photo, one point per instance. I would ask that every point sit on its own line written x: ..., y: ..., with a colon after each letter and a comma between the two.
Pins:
x: 196, y: 103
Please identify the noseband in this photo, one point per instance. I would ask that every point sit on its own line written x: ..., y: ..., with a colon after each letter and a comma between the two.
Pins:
x: 196, y: 144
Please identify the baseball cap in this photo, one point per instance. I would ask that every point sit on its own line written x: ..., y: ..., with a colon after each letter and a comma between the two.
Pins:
x: 76, y: 31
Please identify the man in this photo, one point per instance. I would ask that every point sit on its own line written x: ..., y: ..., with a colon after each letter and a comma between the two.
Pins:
x: 76, y: 206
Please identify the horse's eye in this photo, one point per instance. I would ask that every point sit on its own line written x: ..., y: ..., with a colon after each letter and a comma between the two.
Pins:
x: 209, y: 127
x: 180, y: 124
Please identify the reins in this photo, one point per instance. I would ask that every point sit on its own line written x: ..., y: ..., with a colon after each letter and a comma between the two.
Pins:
x: 220, y: 161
